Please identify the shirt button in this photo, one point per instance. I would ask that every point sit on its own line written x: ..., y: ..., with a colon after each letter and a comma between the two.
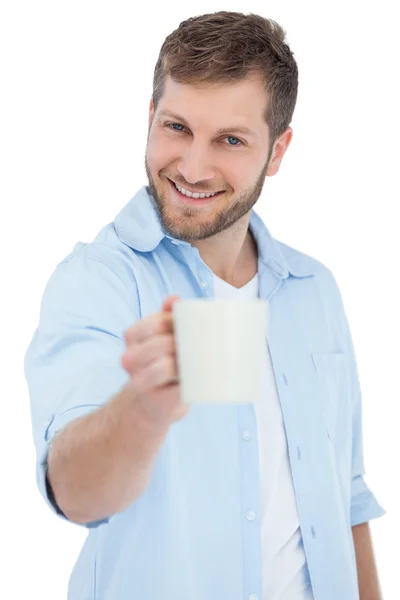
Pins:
x: 246, y: 435
x: 250, y: 515
x: 204, y: 284
x: 313, y: 532
x: 253, y: 597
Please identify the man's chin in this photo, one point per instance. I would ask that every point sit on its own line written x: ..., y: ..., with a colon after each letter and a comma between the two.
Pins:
x: 182, y: 228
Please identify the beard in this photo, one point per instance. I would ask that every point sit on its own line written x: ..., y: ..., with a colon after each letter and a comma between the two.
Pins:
x: 188, y: 223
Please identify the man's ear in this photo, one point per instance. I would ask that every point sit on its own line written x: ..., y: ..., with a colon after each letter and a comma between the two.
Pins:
x: 280, y: 146
x: 151, y: 111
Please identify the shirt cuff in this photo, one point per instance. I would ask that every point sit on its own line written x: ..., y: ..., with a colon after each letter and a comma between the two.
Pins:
x: 364, y: 506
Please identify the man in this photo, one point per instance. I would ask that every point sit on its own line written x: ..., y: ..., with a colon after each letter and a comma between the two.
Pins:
x: 240, y: 502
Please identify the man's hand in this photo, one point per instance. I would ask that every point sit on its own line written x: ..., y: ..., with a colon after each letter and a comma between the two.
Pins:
x: 150, y: 359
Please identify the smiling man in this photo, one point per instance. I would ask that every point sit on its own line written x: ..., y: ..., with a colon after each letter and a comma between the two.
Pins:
x: 205, y: 178
x: 229, y: 163
x: 263, y: 501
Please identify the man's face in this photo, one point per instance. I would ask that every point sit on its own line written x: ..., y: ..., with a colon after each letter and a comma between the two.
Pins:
x: 185, y: 146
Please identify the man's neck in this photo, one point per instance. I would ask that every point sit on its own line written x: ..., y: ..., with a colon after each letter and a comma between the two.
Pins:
x: 232, y: 256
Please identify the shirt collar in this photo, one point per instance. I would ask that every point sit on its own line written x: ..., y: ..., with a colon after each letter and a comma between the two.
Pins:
x: 139, y: 227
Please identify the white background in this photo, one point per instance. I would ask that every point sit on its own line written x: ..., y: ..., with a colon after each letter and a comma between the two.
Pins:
x: 76, y: 80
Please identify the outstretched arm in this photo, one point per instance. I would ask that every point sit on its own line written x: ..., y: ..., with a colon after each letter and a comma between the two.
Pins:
x: 368, y: 581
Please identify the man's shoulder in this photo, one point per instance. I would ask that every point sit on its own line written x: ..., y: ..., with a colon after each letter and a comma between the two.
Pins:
x: 92, y: 277
x: 105, y: 249
x: 298, y: 260
x: 323, y: 276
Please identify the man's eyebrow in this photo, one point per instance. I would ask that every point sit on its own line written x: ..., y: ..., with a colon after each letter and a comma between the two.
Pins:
x: 221, y: 130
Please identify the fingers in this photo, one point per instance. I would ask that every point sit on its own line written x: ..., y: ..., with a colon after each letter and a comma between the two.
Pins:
x: 158, y: 324
x: 139, y: 356
x: 167, y: 306
x: 158, y: 373
x: 150, y: 356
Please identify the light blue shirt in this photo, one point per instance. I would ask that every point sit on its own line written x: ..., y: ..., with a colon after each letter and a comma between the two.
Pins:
x: 188, y: 536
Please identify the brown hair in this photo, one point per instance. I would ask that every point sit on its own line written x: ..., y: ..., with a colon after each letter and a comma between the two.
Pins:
x: 224, y: 47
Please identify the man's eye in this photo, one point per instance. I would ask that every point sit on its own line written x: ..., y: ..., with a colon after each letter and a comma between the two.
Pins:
x: 174, y: 125
x: 235, y: 139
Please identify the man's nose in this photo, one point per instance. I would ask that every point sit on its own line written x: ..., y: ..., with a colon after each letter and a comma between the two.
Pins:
x: 195, y: 165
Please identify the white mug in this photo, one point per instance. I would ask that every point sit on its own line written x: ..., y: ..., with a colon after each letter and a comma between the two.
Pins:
x: 220, y: 349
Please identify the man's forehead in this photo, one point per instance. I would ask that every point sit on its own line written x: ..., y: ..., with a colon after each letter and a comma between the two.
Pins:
x: 236, y: 106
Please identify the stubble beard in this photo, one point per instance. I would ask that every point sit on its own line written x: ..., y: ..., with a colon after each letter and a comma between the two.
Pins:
x: 184, y: 224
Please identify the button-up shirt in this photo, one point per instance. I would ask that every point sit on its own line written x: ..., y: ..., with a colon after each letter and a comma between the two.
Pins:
x: 195, y: 531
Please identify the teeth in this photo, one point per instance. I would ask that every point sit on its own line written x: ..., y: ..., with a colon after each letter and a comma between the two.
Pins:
x: 193, y: 195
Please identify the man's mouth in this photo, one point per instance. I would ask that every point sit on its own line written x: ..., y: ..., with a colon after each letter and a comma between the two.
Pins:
x: 193, y: 196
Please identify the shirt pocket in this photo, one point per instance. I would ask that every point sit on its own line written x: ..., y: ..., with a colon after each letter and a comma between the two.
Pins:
x: 331, y: 370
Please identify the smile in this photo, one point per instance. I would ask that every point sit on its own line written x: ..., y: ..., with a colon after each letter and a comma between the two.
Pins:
x: 194, y: 195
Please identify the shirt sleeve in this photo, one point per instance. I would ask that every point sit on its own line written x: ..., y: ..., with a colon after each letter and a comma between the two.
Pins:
x: 364, y: 505
x: 73, y: 363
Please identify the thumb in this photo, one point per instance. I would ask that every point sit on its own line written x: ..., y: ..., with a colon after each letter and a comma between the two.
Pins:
x: 167, y: 306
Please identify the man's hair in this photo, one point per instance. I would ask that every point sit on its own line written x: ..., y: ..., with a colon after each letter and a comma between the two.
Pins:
x: 226, y: 47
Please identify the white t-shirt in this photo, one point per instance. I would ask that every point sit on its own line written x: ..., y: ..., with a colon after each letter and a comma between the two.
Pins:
x: 285, y: 571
